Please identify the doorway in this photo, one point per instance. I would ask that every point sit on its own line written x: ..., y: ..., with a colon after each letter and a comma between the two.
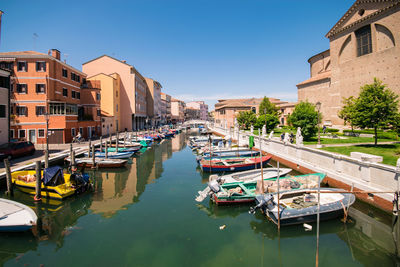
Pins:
x: 32, y: 136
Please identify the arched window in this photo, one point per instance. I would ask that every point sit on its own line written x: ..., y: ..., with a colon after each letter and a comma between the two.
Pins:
x: 364, y: 43
x: 254, y: 110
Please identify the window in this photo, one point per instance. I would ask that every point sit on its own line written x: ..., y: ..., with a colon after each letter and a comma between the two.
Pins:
x: 97, y: 96
x: 41, y: 133
x: 253, y: 109
x: 21, y: 133
x: 11, y: 133
x: 57, y: 108
x: 40, y: 88
x: 73, y: 94
x: 72, y: 76
x: 364, y: 43
x: 116, y: 93
x: 73, y: 133
x: 22, y: 88
x: 116, y: 107
x: 98, y: 112
x: 78, y: 78
x: 40, y: 110
x: 41, y: 66
x: 7, y: 65
x: 65, y: 92
x: 5, y: 82
x: 2, y: 111
x: 22, y: 111
x: 65, y: 73
x: 78, y: 95
x: 81, y: 130
x: 71, y: 109
x: 22, y: 66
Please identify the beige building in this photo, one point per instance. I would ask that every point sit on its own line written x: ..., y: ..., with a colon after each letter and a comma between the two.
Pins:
x: 226, y: 110
x: 153, y: 102
x: 177, y: 110
x: 363, y: 45
x: 165, y: 108
x: 133, y: 89
x: 110, y: 101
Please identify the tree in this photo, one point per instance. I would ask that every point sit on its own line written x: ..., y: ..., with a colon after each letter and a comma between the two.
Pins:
x: 347, y: 111
x: 306, y: 117
x: 269, y: 120
x: 376, y: 107
x: 246, y: 118
x: 266, y: 107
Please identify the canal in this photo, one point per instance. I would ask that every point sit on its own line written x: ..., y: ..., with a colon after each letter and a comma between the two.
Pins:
x: 146, y: 215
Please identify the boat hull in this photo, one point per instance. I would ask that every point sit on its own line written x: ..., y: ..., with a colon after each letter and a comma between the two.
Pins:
x: 235, y: 167
x: 15, y: 217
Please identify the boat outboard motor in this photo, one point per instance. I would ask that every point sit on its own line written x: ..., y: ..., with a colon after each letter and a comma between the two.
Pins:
x: 212, y: 187
x: 265, y: 200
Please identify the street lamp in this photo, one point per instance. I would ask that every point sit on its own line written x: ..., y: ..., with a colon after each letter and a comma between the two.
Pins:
x: 318, y: 105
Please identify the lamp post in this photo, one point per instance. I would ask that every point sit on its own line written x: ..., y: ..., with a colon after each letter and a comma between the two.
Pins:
x: 318, y: 105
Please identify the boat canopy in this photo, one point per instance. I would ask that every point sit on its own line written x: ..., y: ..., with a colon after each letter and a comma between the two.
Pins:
x: 53, y: 176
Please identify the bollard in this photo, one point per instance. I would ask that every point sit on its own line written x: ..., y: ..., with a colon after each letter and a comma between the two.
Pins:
x: 106, y: 152
x: 93, y: 158
x: 46, y: 159
x: 10, y: 189
x: 38, y: 194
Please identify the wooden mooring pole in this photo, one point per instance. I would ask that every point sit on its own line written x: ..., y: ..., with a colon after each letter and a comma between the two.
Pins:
x: 101, y: 143
x: 73, y: 159
x: 93, y: 158
x: 10, y: 189
x: 117, y: 142
x: 38, y: 188
x: 46, y: 159
x: 279, y: 211
x: 89, y: 147
x: 106, y: 149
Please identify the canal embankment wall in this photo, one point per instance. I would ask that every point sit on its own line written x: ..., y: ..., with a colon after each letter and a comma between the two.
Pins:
x: 341, y: 171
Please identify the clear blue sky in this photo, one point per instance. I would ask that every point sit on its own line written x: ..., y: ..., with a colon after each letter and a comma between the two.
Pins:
x: 197, y: 49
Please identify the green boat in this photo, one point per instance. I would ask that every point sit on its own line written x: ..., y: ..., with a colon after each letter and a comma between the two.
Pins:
x: 245, y: 192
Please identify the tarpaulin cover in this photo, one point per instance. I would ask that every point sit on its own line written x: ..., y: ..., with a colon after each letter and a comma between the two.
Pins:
x: 53, y: 176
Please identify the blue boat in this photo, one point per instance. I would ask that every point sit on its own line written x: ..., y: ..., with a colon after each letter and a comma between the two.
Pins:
x: 229, y: 154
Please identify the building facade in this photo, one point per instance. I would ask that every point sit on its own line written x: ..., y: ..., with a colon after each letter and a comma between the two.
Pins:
x: 110, y: 101
x: 192, y: 113
x: 153, y: 102
x: 133, y: 89
x: 226, y: 110
x: 201, y: 106
x: 177, y: 110
x: 363, y: 45
x: 4, y: 106
x: 46, y: 93
x: 166, y: 108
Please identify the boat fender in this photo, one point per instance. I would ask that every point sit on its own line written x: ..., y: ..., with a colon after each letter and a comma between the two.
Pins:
x: 214, y: 186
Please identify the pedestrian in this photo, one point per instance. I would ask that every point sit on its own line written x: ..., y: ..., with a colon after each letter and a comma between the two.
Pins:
x: 324, y: 129
x: 282, y: 136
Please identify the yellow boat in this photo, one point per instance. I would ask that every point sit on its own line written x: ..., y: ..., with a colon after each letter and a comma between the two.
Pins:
x: 55, y: 184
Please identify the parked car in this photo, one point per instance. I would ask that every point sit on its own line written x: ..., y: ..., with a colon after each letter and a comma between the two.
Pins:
x: 16, y: 149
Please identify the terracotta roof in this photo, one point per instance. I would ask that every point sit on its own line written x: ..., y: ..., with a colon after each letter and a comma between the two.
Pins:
x: 318, y: 77
x: 21, y: 53
x: 243, y: 102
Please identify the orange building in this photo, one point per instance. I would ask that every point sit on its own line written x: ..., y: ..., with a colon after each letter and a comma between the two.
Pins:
x: 45, y: 89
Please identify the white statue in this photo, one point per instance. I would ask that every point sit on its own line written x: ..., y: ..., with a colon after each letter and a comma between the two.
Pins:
x: 299, y: 137
x: 271, y: 134
x: 286, y: 139
x: 264, y: 130
x: 251, y: 129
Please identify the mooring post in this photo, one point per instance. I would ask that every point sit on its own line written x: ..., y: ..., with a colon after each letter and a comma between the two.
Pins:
x: 101, y: 143
x: 93, y: 158
x: 46, y: 158
x: 117, y: 142
x: 70, y: 154
x: 73, y: 158
x: 106, y: 147
x: 125, y: 139
x: 10, y: 189
x: 38, y: 188
x: 89, y: 147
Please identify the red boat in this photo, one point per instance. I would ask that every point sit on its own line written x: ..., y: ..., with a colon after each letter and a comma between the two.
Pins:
x: 234, y: 164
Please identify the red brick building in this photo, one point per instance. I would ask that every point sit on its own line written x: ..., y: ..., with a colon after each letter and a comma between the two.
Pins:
x: 42, y: 84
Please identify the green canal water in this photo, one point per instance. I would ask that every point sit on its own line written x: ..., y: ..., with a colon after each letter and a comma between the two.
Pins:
x: 146, y: 215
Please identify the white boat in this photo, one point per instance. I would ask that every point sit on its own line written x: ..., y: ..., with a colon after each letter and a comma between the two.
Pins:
x: 251, y: 175
x: 15, y: 217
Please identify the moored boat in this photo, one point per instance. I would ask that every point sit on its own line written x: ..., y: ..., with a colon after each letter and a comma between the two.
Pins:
x: 245, y: 192
x: 112, y: 155
x: 229, y: 154
x: 233, y: 164
x: 55, y: 183
x: 15, y: 217
x: 99, y: 162
x: 251, y: 175
x: 301, y: 206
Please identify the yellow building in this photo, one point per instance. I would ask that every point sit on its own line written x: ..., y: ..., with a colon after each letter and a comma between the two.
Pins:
x: 110, y: 101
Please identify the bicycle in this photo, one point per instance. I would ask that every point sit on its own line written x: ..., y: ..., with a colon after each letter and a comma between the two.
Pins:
x: 76, y: 140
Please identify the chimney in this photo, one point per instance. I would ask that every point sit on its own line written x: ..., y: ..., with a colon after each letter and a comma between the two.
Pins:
x: 123, y: 61
x: 56, y: 54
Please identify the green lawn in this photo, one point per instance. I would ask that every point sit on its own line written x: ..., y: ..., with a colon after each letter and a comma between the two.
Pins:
x: 348, y: 140
x: 389, y: 152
